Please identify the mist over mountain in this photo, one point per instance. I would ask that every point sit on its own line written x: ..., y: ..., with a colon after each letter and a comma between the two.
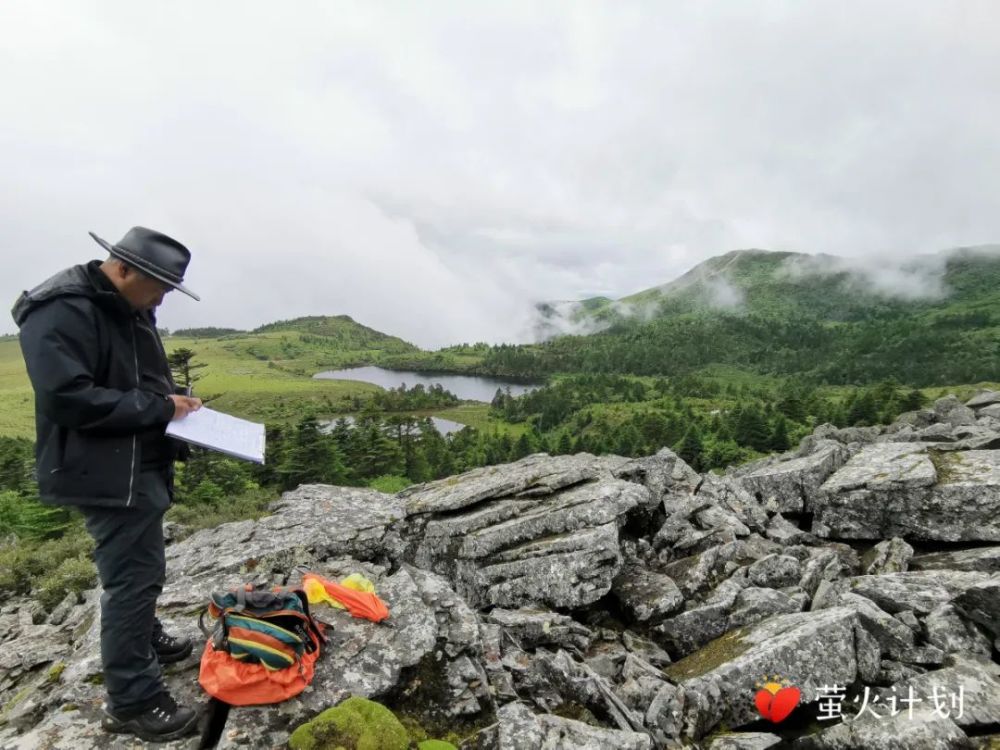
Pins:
x: 765, y: 282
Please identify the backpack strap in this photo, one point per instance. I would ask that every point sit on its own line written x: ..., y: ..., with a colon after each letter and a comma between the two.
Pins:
x: 313, y: 627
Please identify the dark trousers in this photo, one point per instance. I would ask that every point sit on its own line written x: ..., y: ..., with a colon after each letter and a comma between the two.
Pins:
x: 130, y: 561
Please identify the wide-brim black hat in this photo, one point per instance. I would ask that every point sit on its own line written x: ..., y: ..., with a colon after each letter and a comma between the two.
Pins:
x: 154, y: 254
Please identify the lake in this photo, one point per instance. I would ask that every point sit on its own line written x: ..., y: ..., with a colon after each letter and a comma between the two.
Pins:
x: 466, y: 387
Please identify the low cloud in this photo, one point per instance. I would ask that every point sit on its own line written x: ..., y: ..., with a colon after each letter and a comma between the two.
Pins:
x: 432, y: 170
x: 916, y: 278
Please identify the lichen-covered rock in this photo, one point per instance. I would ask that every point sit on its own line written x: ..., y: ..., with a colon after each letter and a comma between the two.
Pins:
x: 788, y: 486
x: 983, y: 559
x: 541, y: 530
x: 967, y: 691
x: 731, y: 496
x: 667, y: 476
x: 892, y: 636
x: 645, y: 594
x: 519, y: 729
x: 953, y: 634
x: 775, y: 571
x: 949, y: 409
x: 535, y: 627
x: 299, y: 531
x: 809, y: 649
x: 744, y: 741
x: 917, y: 591
x: 891, y: 556
x: 783, y: 531
x: 981, y: 603
x: 923, y: 730
x: 901, y: 489
x: 983, y: 398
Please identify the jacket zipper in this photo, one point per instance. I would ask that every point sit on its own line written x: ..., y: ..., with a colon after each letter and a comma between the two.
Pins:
x: 135, y: 360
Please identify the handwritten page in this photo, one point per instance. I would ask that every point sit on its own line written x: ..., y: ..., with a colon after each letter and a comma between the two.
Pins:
x: 221, y: 432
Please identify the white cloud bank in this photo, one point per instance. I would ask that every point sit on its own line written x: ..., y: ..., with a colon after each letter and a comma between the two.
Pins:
x: 433, y: 169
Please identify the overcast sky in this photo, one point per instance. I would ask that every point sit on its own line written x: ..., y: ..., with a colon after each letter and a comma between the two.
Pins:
x: 433, y: 168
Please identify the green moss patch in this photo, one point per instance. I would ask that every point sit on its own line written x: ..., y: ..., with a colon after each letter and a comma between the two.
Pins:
x: 355, y: 724
x: 724, y: 648
x: 946, y: 464
x: 55, y: 672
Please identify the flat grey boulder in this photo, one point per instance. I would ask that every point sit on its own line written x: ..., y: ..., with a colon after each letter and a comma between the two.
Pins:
x: 967, y: 692
x: 543, y: 530
x: 891, y: 556
x: 313, y: 522
x: 949, y: 409
x: 667, y: 476
x: 807, y: 649
x: 781, y: 530
x: 916, y: 591
x: 981, y: 604
x: 744, y: 741
x: 788, y: 486
x: 923, y: 730
x: 892, y: 636
x: 775, y: 571
x: 740, y: 607
x: 518, y: 728
x: 905, y: 490
x: 983, y: 398
x: 884, y: 466
x: 984, y: 559
x: 532, y: 628
x: 954, y: 634
x: 645, y: 594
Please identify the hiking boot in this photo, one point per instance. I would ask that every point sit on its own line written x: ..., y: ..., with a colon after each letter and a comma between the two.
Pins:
x: 169, y: 649
x: 161, y: 722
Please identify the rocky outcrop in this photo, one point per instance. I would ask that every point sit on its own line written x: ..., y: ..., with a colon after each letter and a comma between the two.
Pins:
x: 789, y: 486
x: 542, y: 530
x: 910, y: 491
x: 606, y: 602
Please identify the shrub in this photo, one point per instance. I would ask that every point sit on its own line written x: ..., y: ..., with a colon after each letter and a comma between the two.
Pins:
x: 24, y: 563
x: 76, y: 574
x: 27, y: 518
x: 250, y: 504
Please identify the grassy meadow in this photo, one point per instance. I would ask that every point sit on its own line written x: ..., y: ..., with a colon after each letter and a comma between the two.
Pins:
x: 265, y: 377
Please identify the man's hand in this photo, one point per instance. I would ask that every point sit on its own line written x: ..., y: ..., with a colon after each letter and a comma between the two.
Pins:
x: 184, y: 405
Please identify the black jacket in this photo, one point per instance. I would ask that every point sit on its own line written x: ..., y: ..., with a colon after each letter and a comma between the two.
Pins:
x: 101, y: 383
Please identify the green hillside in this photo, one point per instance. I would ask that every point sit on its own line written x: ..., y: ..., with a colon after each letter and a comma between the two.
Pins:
x: 784, y: 314
x: 264, y: 375
x: 340, y: 333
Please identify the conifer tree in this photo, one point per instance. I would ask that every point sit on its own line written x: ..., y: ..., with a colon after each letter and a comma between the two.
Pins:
x: 690, y: 448
x: 779, y: 435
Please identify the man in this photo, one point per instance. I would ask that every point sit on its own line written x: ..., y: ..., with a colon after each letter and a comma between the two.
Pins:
x: 103, y: 397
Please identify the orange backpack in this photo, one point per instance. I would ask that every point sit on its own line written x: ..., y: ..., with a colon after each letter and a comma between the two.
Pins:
x: 258, y: 633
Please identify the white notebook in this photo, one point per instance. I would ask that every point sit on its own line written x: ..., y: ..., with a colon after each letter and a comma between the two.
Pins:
x: 221, y: 432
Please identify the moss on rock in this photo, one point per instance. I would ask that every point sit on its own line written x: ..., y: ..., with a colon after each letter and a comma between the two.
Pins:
x: 55, y: 672
x: 722, y: 649
x: 355, y: 724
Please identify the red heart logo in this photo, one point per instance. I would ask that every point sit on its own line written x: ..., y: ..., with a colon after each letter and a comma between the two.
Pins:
x: 776, y: 707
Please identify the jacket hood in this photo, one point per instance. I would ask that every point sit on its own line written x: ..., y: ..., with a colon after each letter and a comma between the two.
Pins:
x: 76, y: 281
